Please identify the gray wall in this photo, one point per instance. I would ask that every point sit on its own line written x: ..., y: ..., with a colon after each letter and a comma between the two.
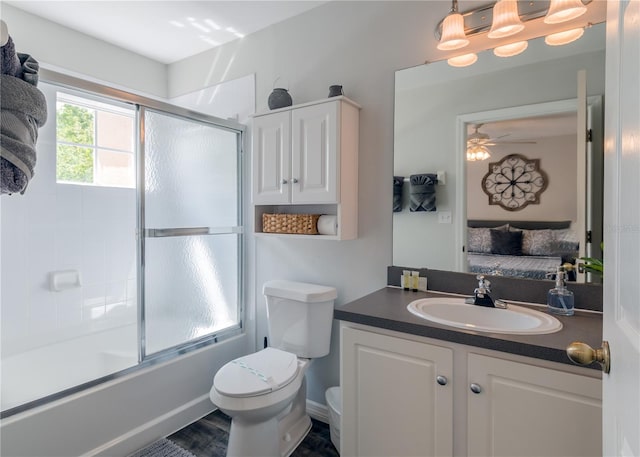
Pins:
x: 359, y: 45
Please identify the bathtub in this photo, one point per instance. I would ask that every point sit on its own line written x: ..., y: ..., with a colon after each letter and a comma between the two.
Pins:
x: 49, y: 369
x: 115, y: 417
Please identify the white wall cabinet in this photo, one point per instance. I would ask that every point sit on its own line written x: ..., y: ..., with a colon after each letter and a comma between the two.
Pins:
x: 305, y: 160
x: 398, y: 400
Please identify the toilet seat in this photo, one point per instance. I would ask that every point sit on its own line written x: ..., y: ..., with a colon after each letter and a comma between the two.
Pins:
x: 256, y: 374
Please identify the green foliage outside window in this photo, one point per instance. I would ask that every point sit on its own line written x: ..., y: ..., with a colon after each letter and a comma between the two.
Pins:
x: 75, y: 125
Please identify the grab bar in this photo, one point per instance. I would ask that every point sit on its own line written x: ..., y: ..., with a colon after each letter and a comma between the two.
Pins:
x: 190, y: 231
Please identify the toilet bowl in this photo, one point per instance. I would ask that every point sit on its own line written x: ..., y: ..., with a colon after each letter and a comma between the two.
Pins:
x: 265, y: 393
x: 259, y: 392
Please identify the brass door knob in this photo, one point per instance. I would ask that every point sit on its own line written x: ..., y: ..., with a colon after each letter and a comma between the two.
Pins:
x: 583, y: 354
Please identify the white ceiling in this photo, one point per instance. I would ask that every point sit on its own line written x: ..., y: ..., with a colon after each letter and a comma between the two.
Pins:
x: 166, y: 31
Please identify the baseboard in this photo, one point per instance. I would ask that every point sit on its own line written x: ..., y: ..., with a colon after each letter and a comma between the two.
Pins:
x: 156, y: 428
x: 318, y: 411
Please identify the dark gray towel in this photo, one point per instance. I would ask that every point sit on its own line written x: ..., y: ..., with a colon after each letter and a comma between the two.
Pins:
x: 398, y: 184
x: 9, y: 60
x: 23, y: 111
x: 423, y: 192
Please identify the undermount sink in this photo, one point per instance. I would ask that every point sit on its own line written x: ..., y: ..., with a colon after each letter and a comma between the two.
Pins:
x: 515, y: 320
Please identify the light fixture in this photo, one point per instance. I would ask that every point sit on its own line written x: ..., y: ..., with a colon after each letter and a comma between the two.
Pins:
x: 463, y: 61
x: 512, y: 49
x: 503, y: 18
x: 506, y: 21
x: 564, y: 10
x: 477, y: 152
x: 566, y: 37
x: 453, y: 36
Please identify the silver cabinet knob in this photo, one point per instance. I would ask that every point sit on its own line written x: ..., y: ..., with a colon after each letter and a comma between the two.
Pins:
x: 475, y: 388
x: 284, y: 181
x: 294, y: 180
x: 442, y: 380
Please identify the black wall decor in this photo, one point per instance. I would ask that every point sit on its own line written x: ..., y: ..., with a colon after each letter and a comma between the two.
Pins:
x: 514, y: 182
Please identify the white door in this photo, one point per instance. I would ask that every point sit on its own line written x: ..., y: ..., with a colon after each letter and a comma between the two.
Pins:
x: 314, y: 158
x: 621, y: 394
x: 271, y: 159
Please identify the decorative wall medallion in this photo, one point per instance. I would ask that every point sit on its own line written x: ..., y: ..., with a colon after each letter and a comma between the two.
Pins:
x: 514, y: 182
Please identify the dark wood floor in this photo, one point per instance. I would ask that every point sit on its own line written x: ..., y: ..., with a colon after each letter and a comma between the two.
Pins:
x: 208, y: 438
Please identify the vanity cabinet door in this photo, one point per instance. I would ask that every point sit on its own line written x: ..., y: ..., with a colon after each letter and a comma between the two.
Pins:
x: 397, y: 396
x: 515, y: 409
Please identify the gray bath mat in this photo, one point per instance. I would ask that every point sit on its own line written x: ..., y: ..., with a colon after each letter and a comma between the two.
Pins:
x: 162, y: 448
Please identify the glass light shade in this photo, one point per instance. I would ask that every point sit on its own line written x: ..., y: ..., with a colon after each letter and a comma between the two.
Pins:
x: 560, y: 38
x: 506, y: 21
x: 477, y: 152
x: 453, y: 36
x: 463, y: 60
x: 564, y: 10
x: 512, y: 49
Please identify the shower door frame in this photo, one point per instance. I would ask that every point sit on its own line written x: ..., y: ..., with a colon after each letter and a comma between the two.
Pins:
x: 140, y: 103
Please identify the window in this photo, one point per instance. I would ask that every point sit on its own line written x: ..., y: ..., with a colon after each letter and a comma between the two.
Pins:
x: 94, y: 142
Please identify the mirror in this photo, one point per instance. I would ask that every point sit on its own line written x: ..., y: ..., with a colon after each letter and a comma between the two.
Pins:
x: 520, y: 99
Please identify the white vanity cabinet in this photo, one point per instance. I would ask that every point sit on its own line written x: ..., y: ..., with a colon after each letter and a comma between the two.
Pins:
x: 396, y: 396
x: 516, y: 409
x: 305, y: 160
x: 414, y: 396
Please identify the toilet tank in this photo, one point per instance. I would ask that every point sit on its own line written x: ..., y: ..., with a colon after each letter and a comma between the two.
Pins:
x: 299, y: 317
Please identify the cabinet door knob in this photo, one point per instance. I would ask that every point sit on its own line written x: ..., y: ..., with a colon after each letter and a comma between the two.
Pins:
x: 583, y: 354
x: 294, y: 180
x: 284, y: 181
x: 475, y: 388
x: 442, y: 380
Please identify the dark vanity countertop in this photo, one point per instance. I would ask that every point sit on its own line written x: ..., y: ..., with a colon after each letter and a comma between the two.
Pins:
x: 387, y: 309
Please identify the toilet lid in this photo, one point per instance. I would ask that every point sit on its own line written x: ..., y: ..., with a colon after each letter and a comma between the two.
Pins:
x: 256, y: 374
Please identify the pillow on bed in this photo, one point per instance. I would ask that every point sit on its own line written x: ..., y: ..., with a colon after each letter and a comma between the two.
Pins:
x: 538, y: 242
x: 565, y: 245
x: 479, y: 238
x: 506, y: 243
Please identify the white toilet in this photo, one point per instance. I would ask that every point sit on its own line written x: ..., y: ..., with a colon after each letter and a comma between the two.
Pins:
x: 265, y: 393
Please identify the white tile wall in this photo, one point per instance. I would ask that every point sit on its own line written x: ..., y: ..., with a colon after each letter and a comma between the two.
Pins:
x: 55, y: 227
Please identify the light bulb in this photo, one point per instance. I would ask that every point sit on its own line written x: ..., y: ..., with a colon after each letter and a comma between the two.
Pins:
x: 506, y: 21
x: 566, y: 37
x: 564, y: 10
x: 463, y: 61
x: 453, y: 36
x: 512, y: 49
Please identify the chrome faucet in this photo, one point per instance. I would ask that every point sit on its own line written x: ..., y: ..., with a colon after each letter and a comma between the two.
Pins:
x: 481, y: 295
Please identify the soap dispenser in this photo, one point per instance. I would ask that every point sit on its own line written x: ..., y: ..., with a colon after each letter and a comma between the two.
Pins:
x: 560, y: 299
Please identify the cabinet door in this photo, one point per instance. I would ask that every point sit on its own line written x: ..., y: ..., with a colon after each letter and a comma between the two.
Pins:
x: 314, y: 169
x: 523, y: 410
x: 392, y: 404
x: 271, y: 158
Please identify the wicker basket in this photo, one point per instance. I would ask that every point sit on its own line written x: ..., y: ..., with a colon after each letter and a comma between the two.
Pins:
x: 306, y: 224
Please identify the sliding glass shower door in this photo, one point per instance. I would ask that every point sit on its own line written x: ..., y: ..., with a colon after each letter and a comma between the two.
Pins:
x: 191, y: 222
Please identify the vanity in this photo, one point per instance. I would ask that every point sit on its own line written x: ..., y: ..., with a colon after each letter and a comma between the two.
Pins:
x: 412, y: 387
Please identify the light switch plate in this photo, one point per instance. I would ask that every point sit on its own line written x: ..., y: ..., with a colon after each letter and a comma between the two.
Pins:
x: 444, y: 217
